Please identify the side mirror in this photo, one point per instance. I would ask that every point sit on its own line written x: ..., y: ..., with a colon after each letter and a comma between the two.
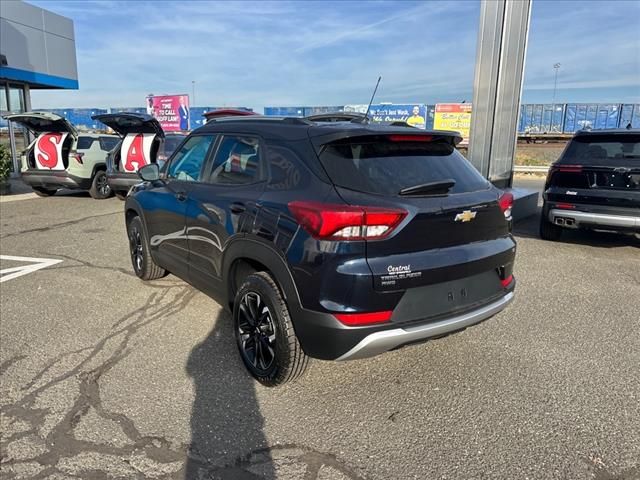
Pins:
x: 149, y: 173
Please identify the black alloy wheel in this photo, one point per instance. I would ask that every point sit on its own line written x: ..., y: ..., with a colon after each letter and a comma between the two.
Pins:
x: 257, y: 333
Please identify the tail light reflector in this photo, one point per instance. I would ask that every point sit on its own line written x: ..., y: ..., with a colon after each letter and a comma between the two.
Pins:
x: 506, y: 281
x: 570, y: 168
x: 565, y: 206
x: 78, y: 157
x: 361, y: 319
x: 506, y: 203
x: 345, y: 222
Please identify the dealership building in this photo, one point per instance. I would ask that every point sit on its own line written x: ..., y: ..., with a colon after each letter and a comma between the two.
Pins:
x: 37, y: 51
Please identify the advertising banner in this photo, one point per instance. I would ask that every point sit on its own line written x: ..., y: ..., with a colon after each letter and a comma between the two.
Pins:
x: 415, y: 114
x: 48, y: 150
x: 135, y: 151
x: 453, y: 116
x: 171, y: 111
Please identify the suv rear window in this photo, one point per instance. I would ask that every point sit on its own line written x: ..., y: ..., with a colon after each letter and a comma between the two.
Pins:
x: 376, y: 165
x: 84, y: 143
x: 603, y: 149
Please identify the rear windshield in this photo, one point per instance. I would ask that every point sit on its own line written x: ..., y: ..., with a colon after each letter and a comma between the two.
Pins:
x: 611, y: 149
x: 108, y: 143
x: 384, y: 167
x: 84, y: 143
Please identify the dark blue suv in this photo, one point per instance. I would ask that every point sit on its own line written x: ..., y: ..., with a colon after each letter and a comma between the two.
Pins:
x: 333, y: 240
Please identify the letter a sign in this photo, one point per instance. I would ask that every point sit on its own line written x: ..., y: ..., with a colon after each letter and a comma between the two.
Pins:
x: 136, y: 151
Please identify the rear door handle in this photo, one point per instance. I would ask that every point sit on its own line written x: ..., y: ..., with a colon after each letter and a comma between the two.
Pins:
x: 181, y: 196
x: 237, y: 207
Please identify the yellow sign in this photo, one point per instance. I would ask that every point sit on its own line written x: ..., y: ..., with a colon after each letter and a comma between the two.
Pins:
x: 453, y: 116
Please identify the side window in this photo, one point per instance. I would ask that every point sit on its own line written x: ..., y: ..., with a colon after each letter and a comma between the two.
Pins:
x: 237, y: 161
x: 84, y: 143
x: 187, y: 163
x: 108, y: 143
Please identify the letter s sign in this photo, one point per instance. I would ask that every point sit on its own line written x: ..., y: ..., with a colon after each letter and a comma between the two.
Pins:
x: 48, y: 151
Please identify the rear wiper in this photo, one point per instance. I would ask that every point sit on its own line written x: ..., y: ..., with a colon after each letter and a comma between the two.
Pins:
x: 432, y: 188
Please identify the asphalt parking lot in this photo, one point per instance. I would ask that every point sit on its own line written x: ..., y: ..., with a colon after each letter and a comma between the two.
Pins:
x: 104, y: 376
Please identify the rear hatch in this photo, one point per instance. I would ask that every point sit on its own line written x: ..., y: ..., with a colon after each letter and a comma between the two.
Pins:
x: 141, y: 135
x: 54, y: 138
x: 454, y: 227
x: 597, y: 170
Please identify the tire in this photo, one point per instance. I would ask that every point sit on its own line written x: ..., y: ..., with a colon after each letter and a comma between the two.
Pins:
x: 261, y: 318
x: 100, y: 188
x: 143, y: 264
x: 43, y: 192
x: 121, y: 195
x: 549, y: 231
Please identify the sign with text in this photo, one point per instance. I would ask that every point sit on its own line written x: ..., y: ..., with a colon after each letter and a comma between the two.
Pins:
x: 48, y: 150
x: 135, y: 152
x: 415, y: 114
x: 171, y: 111
x: 453, y: 116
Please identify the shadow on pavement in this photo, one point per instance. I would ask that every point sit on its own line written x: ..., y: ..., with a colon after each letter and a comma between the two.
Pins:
x: 227, y: 441
x: 529, y: 228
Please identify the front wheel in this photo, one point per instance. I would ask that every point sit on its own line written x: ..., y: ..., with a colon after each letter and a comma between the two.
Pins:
x: 264, y: 333
x: 143, y: 264
x: 100, y: 188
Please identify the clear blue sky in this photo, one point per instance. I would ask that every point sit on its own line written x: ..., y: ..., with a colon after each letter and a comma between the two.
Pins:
x: 330, y: 53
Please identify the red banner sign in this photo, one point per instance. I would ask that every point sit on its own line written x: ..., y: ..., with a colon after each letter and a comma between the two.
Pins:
x: 171, y: 111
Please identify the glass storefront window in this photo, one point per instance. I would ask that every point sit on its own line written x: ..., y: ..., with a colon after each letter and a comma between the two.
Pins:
x: 16, y: 99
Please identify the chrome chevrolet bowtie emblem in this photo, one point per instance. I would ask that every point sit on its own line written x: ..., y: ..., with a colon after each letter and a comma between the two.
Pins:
x: 465, y: 216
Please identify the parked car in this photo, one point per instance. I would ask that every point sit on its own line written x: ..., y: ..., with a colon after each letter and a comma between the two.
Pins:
x: 329, y: 240
x: 142, y: 141
x: 595, y: 184
x: 61, y: 157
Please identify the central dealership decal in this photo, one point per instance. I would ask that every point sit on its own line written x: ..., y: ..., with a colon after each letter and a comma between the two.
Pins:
x: 48, y: 150
x: 135, y: 152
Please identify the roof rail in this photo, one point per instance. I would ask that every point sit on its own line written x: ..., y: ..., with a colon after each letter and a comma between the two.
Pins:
x: 261, y: 118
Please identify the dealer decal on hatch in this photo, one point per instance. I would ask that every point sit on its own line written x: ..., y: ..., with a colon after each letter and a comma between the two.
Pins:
x: 398, y: 272
x: 48, y: 150
x: 135, y: 152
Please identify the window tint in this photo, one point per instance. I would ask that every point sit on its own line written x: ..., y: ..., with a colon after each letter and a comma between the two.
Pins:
x: 171, y: 142
x: 84, y: 143
x: 188, y: 161
x: 377, y: 165
x: 108, y: 143
x: 237, y: 161
x: 603, y: 149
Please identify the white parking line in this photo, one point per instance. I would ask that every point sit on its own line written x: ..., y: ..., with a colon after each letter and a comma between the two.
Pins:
x: 35, y: 264
x: 17, y: 197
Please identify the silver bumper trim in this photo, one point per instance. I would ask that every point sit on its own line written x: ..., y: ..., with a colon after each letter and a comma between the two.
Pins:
x: 595, y: 218
x: 385, y: 340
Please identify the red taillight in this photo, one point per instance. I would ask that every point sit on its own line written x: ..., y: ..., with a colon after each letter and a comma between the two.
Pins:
x: 360, y: 319
x: 506, y: 281
x: 570, y: 168
x: 506, y: 203
x: 345, y: 222
x: 565, y: 206
x: 410, y: 138
x: 78, y: 156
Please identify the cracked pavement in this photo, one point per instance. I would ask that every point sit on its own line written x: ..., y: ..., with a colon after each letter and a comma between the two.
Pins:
x: 103, y: 376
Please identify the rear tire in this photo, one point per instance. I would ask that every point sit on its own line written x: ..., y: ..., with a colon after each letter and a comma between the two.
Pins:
x: 100, y: 188
x: 264, y: 333
x: 549, y: 231
x: 143, y: 264
x: 43, y: 192
x: 121, y: 195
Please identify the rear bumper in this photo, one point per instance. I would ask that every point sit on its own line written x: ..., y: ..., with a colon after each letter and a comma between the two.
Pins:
x: 576, y: 219
x: 122, y: 181
x: 55, y: 179
x: 386, y: 340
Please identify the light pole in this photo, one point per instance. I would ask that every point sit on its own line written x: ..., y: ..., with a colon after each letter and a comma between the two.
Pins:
x: 193, y: 93
x: 556, y: 67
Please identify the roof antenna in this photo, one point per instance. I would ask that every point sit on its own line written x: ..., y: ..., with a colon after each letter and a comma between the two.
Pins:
x: 366, y: 114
